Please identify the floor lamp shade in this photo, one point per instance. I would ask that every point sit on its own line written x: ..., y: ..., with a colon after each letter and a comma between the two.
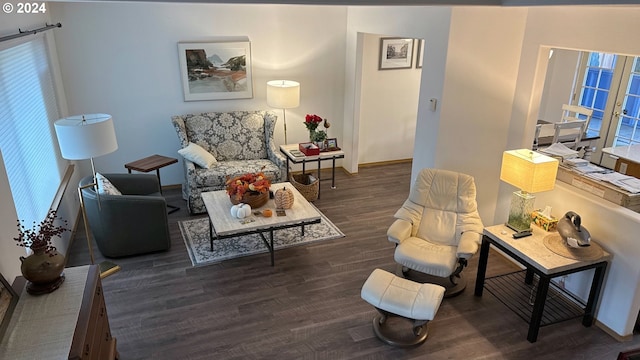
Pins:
x: 86, y: 136
x: 531, y: 172
x: 283, y: 94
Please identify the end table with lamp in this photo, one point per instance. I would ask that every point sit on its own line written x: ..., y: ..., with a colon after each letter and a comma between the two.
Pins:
x: 150, y: 163
x: 529, y: 293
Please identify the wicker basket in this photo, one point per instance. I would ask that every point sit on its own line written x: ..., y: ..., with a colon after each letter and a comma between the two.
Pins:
x: 302, y: 183
x: 253, y: 200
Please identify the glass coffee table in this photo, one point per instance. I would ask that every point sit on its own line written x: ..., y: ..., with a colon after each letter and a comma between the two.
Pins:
x: 222, y: 225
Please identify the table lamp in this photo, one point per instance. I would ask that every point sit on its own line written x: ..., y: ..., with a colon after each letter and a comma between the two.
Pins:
x: 85, y: 137
x: 283, y: 94
x: 531, y: 172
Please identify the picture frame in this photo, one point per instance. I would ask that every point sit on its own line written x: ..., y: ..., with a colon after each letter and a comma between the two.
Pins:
x: 396, y: 53
x: 332, y: 144
x: 8, y: 301
x: 216, y: 70
x: 420, y: 53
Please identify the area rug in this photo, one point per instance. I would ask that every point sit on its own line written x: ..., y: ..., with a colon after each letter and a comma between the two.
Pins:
x: 195, y: 234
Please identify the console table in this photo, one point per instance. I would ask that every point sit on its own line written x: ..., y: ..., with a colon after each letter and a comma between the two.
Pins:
x: 526, y: 292
x: 70, y: 322
x: 324, y: 156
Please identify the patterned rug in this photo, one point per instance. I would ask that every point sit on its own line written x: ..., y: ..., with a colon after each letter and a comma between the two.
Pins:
x: 195, y: 234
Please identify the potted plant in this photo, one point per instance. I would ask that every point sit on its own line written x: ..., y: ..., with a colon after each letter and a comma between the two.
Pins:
x: 43, y: 268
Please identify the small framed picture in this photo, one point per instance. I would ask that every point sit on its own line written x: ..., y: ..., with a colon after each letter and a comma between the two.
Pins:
x: 395, y: 53
x: 8, y: 300
x: 332, y: 144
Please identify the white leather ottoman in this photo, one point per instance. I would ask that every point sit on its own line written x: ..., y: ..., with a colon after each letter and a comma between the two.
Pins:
x: 395, y: 296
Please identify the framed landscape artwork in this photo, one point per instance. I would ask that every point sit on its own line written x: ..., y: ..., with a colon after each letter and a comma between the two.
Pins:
x: 395, y: 53
x: 8, y: 300
x: 216, y: 70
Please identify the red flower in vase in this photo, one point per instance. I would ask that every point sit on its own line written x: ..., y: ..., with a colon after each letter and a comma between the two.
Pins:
x: 312, y: 121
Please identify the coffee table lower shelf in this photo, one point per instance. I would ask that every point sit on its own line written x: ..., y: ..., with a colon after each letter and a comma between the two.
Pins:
x: 512, y: 290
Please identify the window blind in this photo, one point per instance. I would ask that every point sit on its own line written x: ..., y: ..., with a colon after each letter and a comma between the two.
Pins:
x: 28, y: 108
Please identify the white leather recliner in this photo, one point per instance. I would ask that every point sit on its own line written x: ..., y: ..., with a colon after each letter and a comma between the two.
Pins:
x: 438, y: 227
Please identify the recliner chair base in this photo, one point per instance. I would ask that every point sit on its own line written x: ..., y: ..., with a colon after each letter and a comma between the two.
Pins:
x: 396, y: 298
x: 384, y: 333
x: 451, y: 289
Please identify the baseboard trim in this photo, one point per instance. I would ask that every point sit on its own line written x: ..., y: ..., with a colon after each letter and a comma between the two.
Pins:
x: 388, y: 162
x: 612, y: 333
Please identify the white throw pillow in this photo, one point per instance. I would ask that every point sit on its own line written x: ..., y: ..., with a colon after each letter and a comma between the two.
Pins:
x: 105, y: 186
x: 194, y: 152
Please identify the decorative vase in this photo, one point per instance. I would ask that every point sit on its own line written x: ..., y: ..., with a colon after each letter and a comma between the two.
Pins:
x: 255, y: 200
x: 43, y: 271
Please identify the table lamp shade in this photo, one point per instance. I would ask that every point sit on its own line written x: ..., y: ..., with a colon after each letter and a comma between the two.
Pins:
x: 531, y: 172
x: 283, y: 94
x: 528, y: 170
x: 86, y: 136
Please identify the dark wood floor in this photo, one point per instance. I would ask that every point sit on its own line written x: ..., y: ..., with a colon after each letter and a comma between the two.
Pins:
x: 308, y: 306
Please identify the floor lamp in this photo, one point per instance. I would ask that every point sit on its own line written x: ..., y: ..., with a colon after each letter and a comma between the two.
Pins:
x: 283, y: 94
x: 85, y: 137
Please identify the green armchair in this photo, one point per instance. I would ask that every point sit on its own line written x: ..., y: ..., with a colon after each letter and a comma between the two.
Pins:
x: 133, y: 223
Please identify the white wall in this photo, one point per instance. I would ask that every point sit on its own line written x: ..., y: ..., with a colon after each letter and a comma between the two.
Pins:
x: 122, y: 59
x: 558, y: 83
x: 480, y: 81
x: 389, y: 107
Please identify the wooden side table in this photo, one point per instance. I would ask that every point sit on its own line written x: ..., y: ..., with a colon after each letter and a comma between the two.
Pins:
x: 150, y: 163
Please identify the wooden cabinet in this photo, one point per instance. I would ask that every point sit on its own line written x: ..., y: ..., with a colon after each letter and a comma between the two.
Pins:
x: 70, y: 322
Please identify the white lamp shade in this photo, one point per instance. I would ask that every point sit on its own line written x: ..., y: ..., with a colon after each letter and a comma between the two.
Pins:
x: 528, y: 170
x: 86, y: 136
x: 283, y: 94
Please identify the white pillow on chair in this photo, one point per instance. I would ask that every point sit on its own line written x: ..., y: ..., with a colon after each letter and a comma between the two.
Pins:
x: 105, y: 186
x: 195, y: 153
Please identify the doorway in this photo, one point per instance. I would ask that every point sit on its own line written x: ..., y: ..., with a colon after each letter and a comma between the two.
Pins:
x: 388, y: 104
x: 610, y: 85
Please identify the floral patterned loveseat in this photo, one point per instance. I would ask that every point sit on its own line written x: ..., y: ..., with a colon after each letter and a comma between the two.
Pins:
x: 241, y: 142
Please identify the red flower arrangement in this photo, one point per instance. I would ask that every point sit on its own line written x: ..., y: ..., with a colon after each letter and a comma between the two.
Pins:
x: 40, y: 236
x: 256, y: 183
x: 312, y: 122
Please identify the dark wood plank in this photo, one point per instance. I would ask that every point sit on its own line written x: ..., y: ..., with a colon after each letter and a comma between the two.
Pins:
x: 309, y: 305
